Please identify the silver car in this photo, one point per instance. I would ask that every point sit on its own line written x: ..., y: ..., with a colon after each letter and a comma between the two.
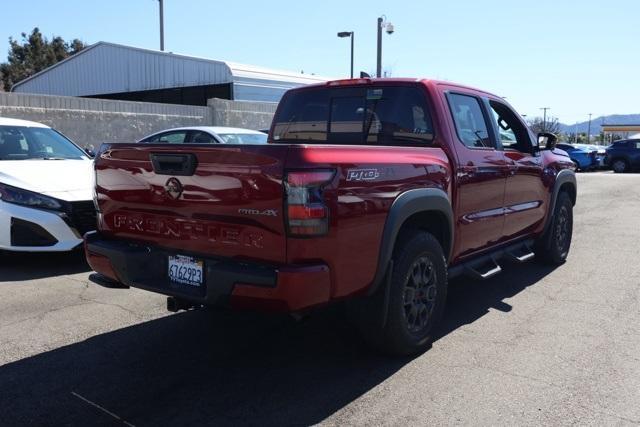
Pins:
x: 207, y: 135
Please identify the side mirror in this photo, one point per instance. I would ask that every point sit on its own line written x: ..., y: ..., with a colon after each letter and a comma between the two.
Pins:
x: 90, y: 152
x: 547, y: 141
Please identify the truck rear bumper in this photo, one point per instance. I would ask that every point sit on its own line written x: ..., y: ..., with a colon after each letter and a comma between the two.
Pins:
x: 227, y: 282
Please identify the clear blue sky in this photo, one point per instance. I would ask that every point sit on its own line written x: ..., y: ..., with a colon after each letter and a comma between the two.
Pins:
x: 577, y: 57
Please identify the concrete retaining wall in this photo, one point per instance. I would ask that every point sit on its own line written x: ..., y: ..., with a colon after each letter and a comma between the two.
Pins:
x: 94, y: 121
x: 243, y: 114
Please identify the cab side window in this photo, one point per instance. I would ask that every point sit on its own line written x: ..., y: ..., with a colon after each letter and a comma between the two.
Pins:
x: 471, y: 126
x: 514, y: 135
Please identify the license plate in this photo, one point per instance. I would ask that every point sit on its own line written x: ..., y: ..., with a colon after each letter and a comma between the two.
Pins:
x: 186, y: 270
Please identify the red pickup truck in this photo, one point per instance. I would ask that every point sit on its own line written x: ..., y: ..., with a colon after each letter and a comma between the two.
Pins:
x: 375, y: 191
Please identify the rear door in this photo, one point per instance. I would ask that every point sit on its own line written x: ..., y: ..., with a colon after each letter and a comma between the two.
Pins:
x: 481, y: 172
x: 214, y: 200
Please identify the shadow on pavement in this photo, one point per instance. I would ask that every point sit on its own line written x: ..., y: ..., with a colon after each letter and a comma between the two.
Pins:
x: 204, y: 368
x: 18, y: 267
x: 469, y: 300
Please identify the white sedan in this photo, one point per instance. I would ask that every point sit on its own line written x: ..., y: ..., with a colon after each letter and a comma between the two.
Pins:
x: 207, y: 135
x: 46, y: 189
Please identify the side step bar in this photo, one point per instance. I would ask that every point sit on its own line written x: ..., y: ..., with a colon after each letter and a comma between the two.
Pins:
x: 522, y: 254
x: 487, y: 265
x: 483, y: 270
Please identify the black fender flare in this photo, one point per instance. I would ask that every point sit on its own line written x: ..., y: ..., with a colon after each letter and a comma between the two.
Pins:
x: 565, y: 176
x: 404, y: 206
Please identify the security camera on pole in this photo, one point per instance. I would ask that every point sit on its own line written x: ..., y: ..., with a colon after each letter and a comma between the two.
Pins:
x: 388, y: 27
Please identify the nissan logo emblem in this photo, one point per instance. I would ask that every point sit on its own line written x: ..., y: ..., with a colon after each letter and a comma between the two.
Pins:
x: 173, y: 188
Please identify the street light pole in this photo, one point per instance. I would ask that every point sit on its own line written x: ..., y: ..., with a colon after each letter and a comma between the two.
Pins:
x: 379, y: 51
x: 589, y: 130
x: 544, y: 120
x: 348, y: 34
x: 352, y: 36
x: 161, y: 25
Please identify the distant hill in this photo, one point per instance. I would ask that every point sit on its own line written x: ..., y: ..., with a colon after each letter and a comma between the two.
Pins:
x: 614, y: 119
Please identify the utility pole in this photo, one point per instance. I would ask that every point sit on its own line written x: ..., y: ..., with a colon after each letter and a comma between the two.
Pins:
x: 544, y: 120
x: 161, y: 25
x: 589, y: 130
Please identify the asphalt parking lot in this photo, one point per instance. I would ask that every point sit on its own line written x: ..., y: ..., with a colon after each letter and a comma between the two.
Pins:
x: 535, y: 345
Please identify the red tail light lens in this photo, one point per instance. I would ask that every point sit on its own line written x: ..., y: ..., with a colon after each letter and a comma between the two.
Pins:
x: 307, y: 215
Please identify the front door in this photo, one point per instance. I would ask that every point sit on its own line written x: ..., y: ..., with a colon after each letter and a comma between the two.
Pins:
x: 480, y: 178
x: 526, y: 197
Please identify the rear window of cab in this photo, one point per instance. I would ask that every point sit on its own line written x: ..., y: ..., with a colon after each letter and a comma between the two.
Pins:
x: 368, y: 115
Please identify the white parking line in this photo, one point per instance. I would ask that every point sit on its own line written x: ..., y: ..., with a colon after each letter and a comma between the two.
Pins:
x: 95, y: 405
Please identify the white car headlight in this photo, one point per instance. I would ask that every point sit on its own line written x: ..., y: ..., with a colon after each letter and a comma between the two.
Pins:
x: 22, y: 197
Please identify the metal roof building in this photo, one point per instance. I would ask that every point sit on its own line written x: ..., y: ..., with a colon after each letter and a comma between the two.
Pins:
x: 112, y: 71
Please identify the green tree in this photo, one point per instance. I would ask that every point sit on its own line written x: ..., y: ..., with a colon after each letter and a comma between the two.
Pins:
x: 34, y: 54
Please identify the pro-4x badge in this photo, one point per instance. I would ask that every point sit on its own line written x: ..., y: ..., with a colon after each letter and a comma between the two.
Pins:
x: 266, y: 212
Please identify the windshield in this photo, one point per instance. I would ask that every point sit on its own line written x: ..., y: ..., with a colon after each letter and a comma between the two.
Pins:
x: 380, y: 115
x: 29, y: 143
x: 243, y: 138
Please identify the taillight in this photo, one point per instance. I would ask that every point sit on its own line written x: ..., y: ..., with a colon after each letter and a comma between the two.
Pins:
x: 307, y: 215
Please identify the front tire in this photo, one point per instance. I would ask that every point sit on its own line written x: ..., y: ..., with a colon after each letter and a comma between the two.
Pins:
x: 553, y: 247
x: 416, y: 297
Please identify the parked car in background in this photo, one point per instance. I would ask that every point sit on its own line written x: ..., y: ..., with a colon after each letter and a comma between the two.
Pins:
x: 600, y: 151
x: 46, y: 189
x: 207, y: 135
x: 624, y: 155
x: 583, y: 158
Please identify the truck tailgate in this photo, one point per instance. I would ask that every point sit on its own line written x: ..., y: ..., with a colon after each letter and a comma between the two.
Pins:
x: 218, y: 200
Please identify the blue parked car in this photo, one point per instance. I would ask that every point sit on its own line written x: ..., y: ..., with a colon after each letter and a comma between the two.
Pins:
x: 624, y: 155
x: 585, y: 159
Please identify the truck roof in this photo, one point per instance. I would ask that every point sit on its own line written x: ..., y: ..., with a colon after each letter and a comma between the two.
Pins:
x: 397, y: 80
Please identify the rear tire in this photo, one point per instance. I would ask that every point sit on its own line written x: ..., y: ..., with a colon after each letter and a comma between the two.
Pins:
x: 619, y: 166
x: 415, y: 301
x: 553, y: 247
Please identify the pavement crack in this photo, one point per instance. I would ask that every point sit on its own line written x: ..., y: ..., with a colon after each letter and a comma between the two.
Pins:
x: 110, y: 304
x: 507, y: 373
